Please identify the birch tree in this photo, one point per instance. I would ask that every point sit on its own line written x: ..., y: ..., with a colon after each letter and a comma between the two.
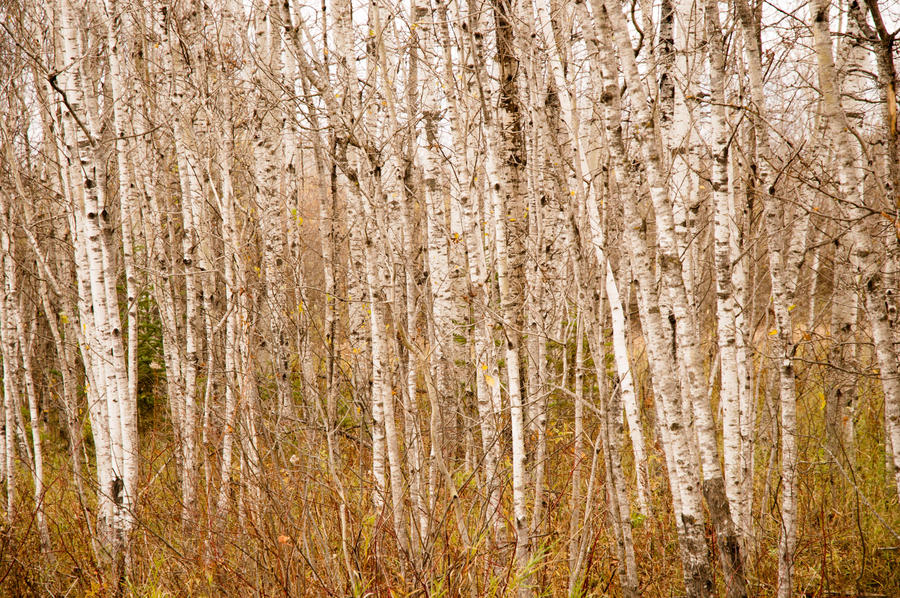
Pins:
x: 448, y: 298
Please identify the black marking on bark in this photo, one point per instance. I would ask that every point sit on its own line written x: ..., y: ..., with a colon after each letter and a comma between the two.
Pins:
x: 117, y: 486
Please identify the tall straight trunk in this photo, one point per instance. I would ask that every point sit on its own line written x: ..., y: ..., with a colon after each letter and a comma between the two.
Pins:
x: 465, y: 195
x: 381, y: 378
x: 421, y: 40
x: 87, y: 336
x: 9, y: 408
x: 233, y: 302
x: 841, y: 402
x: 539, y: 215
x: 192, y: 198
x: 620, y: 345
x: 512, y: 336
x: 505, y: 163
x: 11, y: 375
x: 676, y: 34
x: 781, y: 300
x: 729, y: 397
x: 682, y: 469
x: 613, y: 433
x: 740, y: 225
x: 268, y: 149
x: 93, y: 234
x: 420, y: 521
x: 387, y: 179
x: 681, y: 138
x: 685, y: 322
x: 437, y: 256
x: 862, y: 253
x: 127, y: 201
x: 577, y: 450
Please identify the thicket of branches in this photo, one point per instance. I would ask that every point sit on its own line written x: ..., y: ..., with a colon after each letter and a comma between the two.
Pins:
x: 512, y: 297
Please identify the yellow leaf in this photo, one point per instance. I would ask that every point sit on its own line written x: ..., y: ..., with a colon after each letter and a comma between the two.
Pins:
x: 773, y: 332
x: 490, y: 380
x: 792, y: 307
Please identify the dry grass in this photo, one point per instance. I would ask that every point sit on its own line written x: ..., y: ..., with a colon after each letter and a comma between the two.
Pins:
x: 289, y: 545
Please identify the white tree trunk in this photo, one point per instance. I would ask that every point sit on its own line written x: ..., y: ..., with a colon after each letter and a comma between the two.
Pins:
x: 127, y: 201
x: 93, y: 237
x: 466, y: 194
x: 862, y: 253
x: 729, y: 396
x: 685, y: 323
x: 781, y: 300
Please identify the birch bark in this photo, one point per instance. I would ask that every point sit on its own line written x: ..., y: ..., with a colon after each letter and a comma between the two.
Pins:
x: 686, y: 331
x: 91, y: 217
x: 505, y: 162
x: 127, y: 201
x: 784, y: 337
x: 328, y: 177
x: 862, y: 253
x: 729, y: 396
x: 192, y: 199
x: 390, y: 197
x: 268, y: 149
x: 620, y: 346
x: 466, y: 194
x: 9, y: 405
